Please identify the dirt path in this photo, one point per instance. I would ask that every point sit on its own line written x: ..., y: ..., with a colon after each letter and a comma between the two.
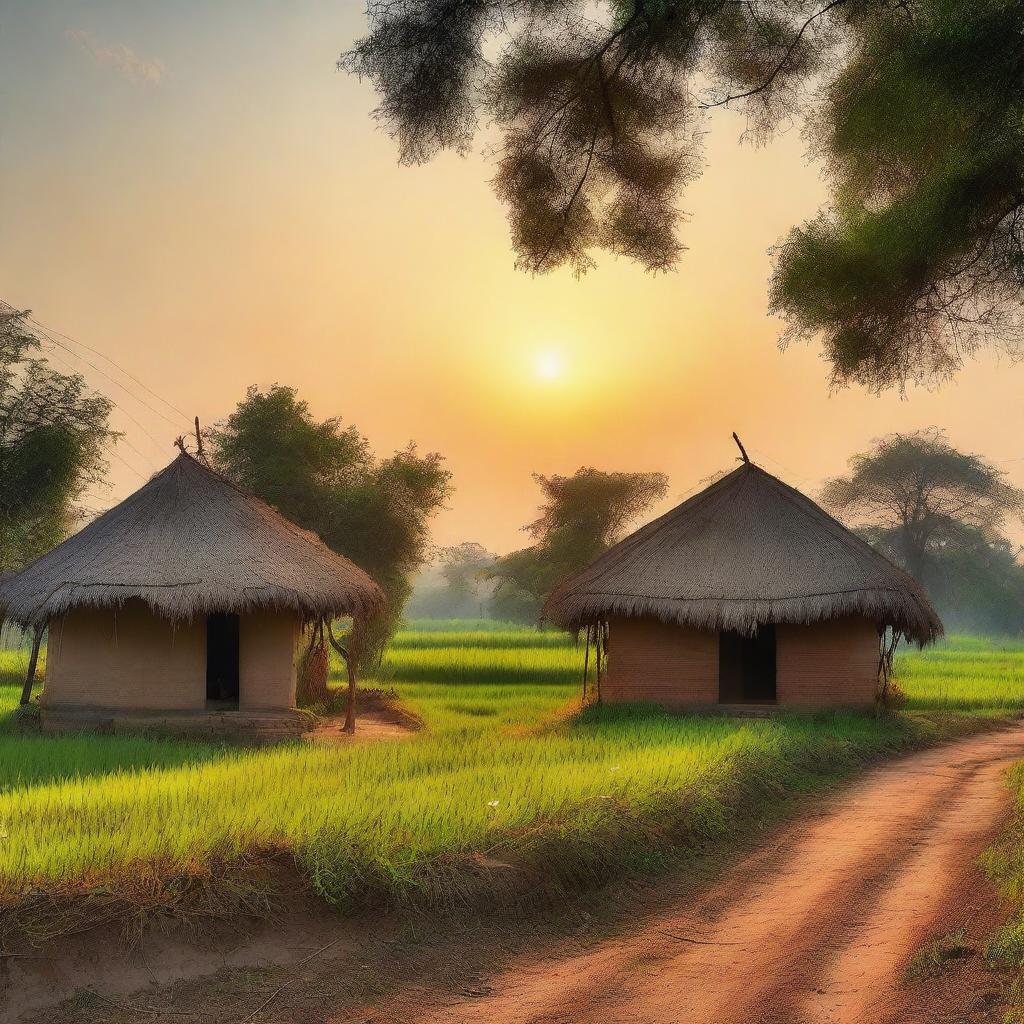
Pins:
x: 818, y: 927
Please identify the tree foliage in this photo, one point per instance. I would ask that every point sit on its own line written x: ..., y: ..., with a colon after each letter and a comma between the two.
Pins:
x: 53, y: 435
x: 322, y: 475
x: 465, y: 568
x: 458, y: 584
x: 938, y: 512
x: 580, y: 517
x: 914, y: 107
x: 978, y: 585
x: 920, y: 258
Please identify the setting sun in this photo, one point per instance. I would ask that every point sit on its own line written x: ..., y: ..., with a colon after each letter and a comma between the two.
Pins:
x: 549, y: 366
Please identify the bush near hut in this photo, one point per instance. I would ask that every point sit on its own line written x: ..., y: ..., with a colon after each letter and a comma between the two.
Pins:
x: 323, y: 476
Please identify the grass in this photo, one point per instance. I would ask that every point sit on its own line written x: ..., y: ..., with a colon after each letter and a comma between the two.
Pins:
x: 965, y: 673
x: 932, y: 959
x: 505, y: 773
x: 1005, y: 864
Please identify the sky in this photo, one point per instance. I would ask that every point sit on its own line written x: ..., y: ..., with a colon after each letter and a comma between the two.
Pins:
x: 194, y: 191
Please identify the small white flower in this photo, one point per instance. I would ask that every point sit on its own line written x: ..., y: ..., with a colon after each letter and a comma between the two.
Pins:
x: 614, y: 768
x: 492, y: 803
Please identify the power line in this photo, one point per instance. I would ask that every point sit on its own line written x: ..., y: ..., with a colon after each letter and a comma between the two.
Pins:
x: 113, y: 362
x: 47, y: 335
x: 117, y: 383
x: 145, y: 458
x: 120, y: 458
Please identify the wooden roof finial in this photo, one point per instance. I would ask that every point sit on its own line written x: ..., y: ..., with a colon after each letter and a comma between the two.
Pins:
x: 199, y: 441
x: 739, y: 444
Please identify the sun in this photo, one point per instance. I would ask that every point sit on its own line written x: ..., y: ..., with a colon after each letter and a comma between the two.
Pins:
x: 549, y: 366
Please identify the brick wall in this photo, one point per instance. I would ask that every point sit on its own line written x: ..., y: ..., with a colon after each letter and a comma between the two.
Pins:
x: 827, y: 663
x: 266, y: 660
x: 654, y: 661
x: 125, y: 658
x: 129, y: 658
x: 822, y: 664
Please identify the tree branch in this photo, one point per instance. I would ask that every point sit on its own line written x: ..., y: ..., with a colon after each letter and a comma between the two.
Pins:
x: 777, y: 70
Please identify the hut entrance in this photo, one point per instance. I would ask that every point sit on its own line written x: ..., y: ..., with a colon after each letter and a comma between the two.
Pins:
x: 746, y: 667
x: 222, y: 659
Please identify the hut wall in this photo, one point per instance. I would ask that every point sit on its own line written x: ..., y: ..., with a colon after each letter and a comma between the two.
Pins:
x: 827, y: 663
x: 660, y: 662
x: 125, y: 658
x: 266, y: 660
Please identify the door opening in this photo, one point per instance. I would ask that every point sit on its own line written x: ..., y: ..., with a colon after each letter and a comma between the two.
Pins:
x: 222, y: 659
x: 746, y: 667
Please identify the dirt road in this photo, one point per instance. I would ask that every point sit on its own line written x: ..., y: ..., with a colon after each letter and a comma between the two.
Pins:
x: 817, y: 927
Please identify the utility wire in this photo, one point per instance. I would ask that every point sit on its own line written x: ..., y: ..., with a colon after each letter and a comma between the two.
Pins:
x: 145, y: 458
x: 113, y: 362
x: 45, y: 334
x: 176, y: 424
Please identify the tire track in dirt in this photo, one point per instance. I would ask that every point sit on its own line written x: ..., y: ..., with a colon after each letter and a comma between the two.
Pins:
x: 926, y: 898
x: 815, y: 929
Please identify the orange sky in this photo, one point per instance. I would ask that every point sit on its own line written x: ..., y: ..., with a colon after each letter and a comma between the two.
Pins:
x: 200, y: 195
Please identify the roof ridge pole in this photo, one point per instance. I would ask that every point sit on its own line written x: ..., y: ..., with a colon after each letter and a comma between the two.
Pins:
x: 739, y: 444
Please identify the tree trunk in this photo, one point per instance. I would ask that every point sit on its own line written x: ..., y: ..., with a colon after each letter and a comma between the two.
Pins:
x: 314, y: 668
x: 348, y: 655
x: 30, y: 676
x: 350, y: 706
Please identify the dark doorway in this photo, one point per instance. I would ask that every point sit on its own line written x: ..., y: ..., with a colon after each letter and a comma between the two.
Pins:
x: 746, y: 666
x: 222, y: 658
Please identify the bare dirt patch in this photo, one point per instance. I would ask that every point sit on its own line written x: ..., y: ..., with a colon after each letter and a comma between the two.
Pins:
x: 381, y: 716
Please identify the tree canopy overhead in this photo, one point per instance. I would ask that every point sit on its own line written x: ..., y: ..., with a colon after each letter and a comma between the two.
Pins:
x: 913, y: 107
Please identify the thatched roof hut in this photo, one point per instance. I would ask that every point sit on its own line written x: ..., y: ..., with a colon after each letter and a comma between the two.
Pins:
x: 188, y: 579
x: 751, y: 560
x: 187, y: 543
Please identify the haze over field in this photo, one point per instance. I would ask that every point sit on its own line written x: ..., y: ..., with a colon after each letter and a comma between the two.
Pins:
x: 195, y: 191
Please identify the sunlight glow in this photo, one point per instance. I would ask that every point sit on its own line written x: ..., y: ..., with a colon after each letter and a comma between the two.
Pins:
x: 549, y: 365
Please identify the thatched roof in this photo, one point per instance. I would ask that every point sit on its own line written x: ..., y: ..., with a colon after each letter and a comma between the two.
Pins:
x: 747, y: 550
x: 187, y: 543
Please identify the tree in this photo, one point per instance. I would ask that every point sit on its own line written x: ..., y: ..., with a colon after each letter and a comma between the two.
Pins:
x: 978, y: 585
x: 53, y: 436
x: 323, y: 476
x: 920, y: 259
x: 465, y: 568
x: 456, y: 585
x: 580, y: 517
x: 912, y: 106
x: 919, y: 499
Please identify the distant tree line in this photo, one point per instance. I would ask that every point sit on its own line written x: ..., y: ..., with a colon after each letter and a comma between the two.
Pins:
x: 937, y: 512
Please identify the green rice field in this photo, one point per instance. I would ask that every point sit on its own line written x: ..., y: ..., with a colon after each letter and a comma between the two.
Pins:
x: 965, y: 673
x: 506, y: 768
